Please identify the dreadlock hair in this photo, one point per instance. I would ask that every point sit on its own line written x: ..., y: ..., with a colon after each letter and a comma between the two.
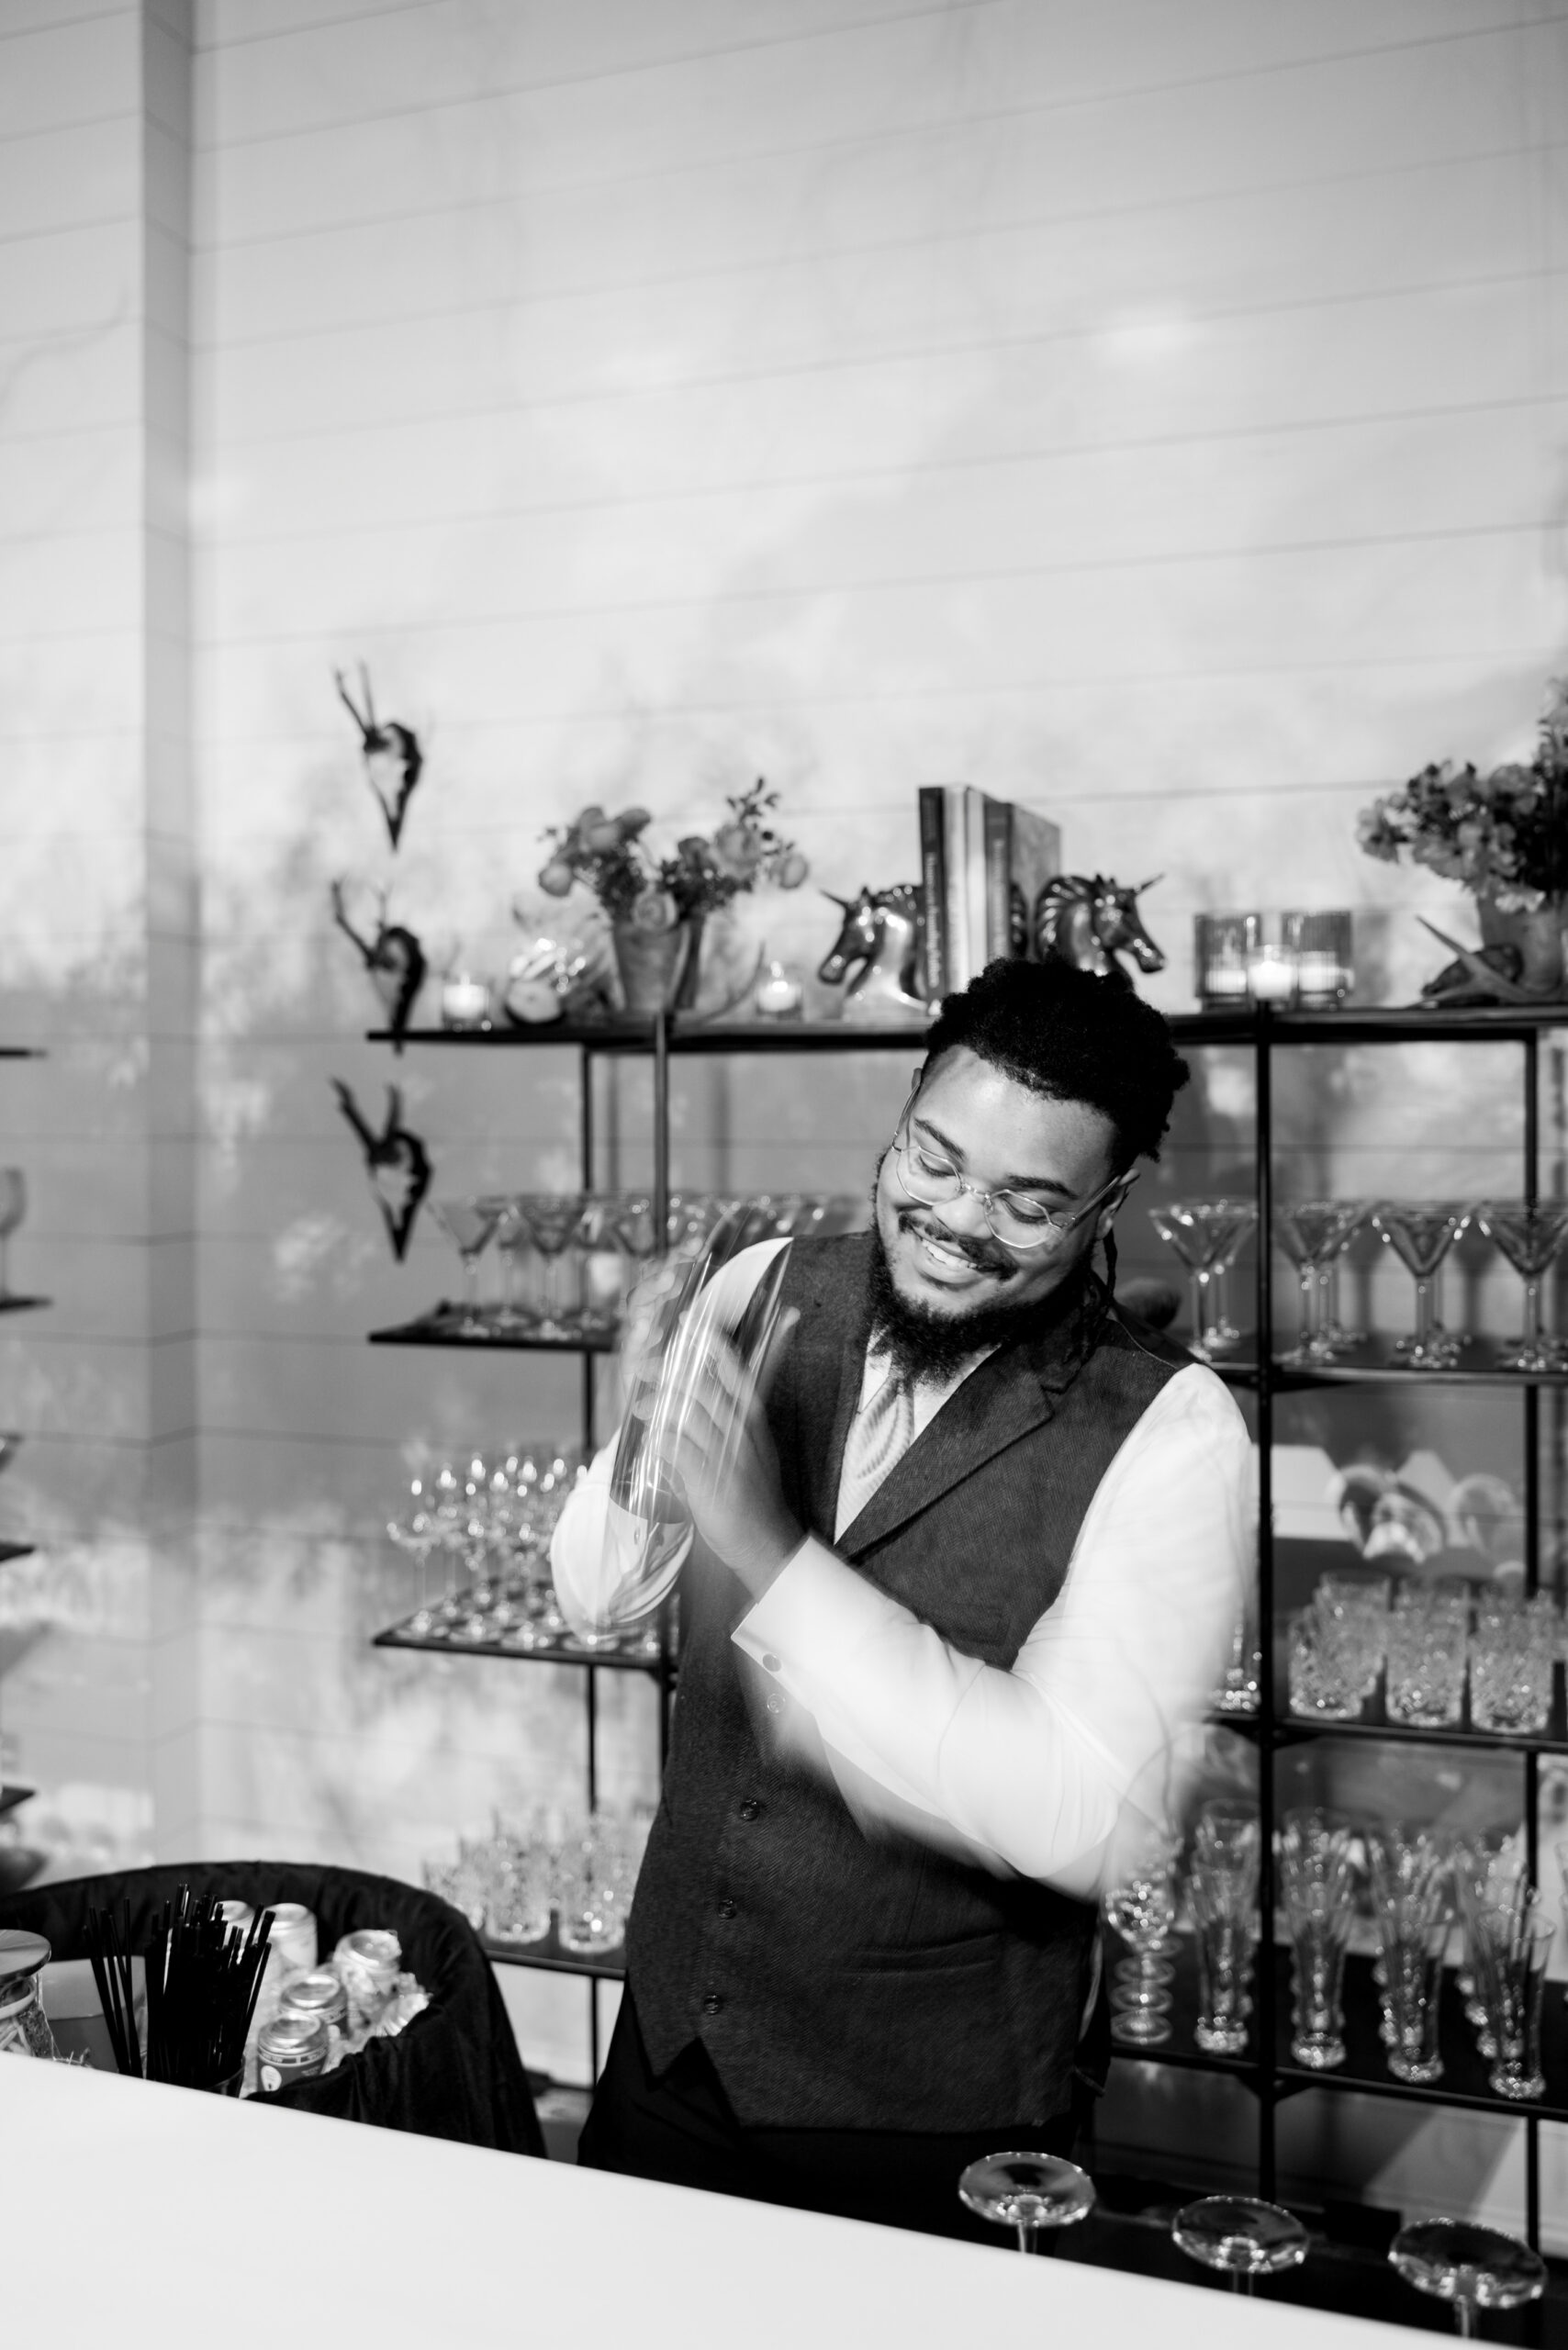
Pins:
x: 1073, y: 1037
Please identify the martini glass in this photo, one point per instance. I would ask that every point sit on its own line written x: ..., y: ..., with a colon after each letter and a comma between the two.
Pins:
x: 513, y: 1238
x: 1312, y: 1233
x: 1230, y: 1221
x: 1530, y: 1234
x: 1241, y: 2237
x: 1473, y: 2267
x: 552, y: 1218
x: 1421, y: 1233
x: 468, y: 1225
x: 1027, y: 2192
x: 1205, y: 1234
x: 13, y: 1208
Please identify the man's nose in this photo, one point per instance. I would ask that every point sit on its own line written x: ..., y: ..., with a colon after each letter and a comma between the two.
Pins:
x: 966, y: 1214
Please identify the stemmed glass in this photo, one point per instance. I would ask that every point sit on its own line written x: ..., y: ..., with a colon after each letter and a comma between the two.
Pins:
x: 1530, y: 1234
x: 13, y: 1208
x: 1140, y: 1906
x: 1473, y: 2267
x: 1421, y: 1233
x: 593, y: 1236
x: 1312, y: 1233
x: 1205, y: 1235
x: 1510, y: 1948
x: 1316, y: 1882
x: 1241, y: 2237
x: 418, y: 1534
x: 1224, y: 1888
x: 1027, y: 2192
x: 552, y: 1218
x: 468, y: 1225
x: 514, y: 1238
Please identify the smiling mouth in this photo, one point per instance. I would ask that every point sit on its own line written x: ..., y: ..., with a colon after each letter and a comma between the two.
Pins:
x: 952, y: 1256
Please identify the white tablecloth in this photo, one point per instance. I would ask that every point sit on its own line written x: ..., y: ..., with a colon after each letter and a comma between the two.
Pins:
x: 134, y: 2214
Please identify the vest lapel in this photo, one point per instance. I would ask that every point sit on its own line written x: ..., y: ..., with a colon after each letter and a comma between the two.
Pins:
x: 1010, y: 1394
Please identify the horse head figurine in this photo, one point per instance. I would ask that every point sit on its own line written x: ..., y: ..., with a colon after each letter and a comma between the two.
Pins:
x: 1089, y: 921
x: 880, y: 940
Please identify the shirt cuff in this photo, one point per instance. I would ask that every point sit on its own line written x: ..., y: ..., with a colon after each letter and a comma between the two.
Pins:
x: 812, y: 1599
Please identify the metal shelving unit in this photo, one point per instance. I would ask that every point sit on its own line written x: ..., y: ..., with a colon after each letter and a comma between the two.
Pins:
x: 1263, y: 1031
x: 11, y: 1797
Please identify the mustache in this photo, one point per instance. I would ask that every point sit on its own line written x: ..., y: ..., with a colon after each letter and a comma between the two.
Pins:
x: 974, y: 1252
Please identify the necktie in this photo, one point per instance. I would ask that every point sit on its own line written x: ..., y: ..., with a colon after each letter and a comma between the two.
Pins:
x: 879, y: 1434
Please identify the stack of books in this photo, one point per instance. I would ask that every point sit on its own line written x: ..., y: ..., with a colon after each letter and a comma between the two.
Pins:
x: 983, y: 863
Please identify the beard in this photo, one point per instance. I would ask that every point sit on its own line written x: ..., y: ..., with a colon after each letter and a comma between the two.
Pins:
x: 928, y: 1345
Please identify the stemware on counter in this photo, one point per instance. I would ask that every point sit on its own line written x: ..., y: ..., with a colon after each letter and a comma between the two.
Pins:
x: 1416, y: 1895
x: 1314, y: 1235
x: 568, y: 1259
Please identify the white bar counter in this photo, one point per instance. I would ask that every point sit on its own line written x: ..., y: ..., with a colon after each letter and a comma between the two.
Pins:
x: 127, y: 2209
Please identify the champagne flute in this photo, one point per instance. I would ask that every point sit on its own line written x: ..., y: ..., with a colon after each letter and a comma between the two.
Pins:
x: 1027, y: 2192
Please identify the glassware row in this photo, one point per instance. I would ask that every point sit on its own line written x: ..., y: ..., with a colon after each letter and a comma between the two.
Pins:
x: 1315, y: 1235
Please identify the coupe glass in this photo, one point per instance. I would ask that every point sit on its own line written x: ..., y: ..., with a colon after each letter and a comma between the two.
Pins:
x: 13, y: 1208
x: 1421, y: 1233
x: 1312, y: 1233
x: 552, y: 1218
x: 468, y: 1225
x: 1530, y: 1234
x: 1205, y: 1234
x: 1241, y: 2237
x: 1026, y: 2193
x: 1473, y: 2267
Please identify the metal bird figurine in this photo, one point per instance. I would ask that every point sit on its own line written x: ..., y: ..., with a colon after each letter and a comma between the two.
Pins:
x: 393, y: 758
x: 397, y: 1160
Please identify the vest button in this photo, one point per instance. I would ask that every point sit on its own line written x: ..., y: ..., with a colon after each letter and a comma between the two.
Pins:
x: 751, y: 1809
x: 712, y: 2003
x: 726, y: 1908
x: 770, y: 1665
x: 774, y: 1706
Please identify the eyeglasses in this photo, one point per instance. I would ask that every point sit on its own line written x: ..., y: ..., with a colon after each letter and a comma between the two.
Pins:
x: 1015, y: 1218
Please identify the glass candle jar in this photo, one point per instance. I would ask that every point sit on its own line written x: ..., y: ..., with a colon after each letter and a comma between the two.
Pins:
x: 24, y: 2027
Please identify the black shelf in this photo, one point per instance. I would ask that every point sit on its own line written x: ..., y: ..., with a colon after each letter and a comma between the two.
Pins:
x: 22, y: 1052
x: 566, y: 1651
x: 552, y: 1959
x: 628, y: 1035
x: 424, y: 1333
x: 9, y: 1551
x: 11, y: 1797
x: 23, y: 1305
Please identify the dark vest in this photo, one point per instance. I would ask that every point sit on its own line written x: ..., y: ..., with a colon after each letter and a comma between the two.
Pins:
x: 844, y: 1980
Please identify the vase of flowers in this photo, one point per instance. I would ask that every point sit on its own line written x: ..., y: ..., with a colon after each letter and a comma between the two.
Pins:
x: 657, y: 905
x: 1504, y: 837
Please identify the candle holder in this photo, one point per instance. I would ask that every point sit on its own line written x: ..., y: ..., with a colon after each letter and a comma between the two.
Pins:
x: 1285, y: 959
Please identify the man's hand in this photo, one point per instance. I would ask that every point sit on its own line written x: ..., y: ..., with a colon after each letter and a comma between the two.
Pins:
x: 723, y: 1454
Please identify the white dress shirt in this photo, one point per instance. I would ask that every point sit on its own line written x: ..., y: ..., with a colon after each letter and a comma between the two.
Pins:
x: 1040, y: 1768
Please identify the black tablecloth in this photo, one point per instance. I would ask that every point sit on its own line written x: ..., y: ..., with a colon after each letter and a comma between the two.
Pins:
x: 453, y: 2073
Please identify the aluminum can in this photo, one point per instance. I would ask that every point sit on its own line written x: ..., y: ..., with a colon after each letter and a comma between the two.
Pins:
x: 291, y: 2048
x: 317, y: 1994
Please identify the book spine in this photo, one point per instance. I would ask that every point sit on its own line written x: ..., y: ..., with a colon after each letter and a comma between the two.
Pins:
x: 958, y: 972
x: 998, y: 877
x: 974, y: 877
x: 934, y: 891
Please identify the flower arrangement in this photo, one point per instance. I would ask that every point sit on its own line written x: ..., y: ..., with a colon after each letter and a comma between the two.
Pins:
x: 608, y: 853
x: 1502, y: 835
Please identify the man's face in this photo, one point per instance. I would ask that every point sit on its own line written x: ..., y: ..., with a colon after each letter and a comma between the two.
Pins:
x: 944, y: 1261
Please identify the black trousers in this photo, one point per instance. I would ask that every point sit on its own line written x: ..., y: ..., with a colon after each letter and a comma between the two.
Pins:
x: 681, y: 2128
